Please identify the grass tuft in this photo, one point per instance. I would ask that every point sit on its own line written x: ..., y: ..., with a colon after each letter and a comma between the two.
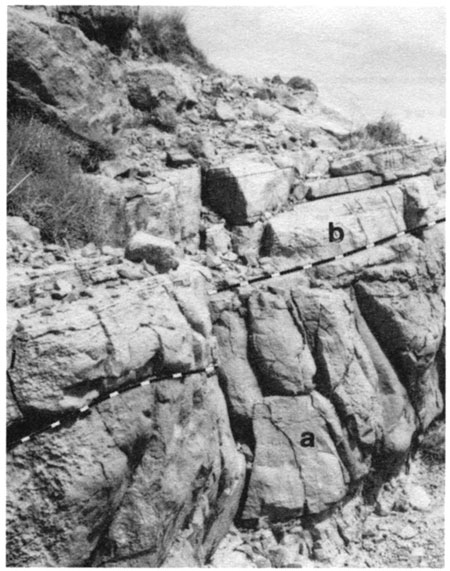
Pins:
x: 45, y: 185
x: 386, y: 132
x: 164, y: 34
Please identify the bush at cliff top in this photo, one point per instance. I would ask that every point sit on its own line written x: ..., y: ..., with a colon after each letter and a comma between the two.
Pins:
x: 386, y: 131
x: 164, y: 34
x: 382, y: 133
x: 44, y: 183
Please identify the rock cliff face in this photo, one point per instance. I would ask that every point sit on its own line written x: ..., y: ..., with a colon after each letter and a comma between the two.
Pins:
x: 150, y: 401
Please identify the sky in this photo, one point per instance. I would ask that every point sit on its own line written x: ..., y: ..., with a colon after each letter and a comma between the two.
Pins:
x: 365, y: 60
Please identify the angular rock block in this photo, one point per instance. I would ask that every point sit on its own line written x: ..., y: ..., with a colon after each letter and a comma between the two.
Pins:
x: 224, y: 112
x: 18, y: 230
x: 169, y: 209
x: 235, y: 372
x: 278, y: 347
x: 246, y: 240
x: 151, y: 85
x: 408, y: 323
x: 398, y: 417
x: 157, y: 251
x: 303, y: 234
x: 244, y: 189
x: 343, y: 184
x: 289, y: 478
x: 390, y: 163
x: 318, y: 120
x: 422, y: 202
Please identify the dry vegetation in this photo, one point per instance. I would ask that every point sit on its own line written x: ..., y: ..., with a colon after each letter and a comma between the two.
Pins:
x: 386, y: 132
x: 165, y: 35
x: 44, y: 183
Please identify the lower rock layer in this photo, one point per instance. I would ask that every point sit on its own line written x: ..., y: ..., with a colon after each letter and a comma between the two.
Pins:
x: 297, y: 467
x: 121, y: 485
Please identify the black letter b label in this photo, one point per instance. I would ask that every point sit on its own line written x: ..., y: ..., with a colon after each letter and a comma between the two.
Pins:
x: 335, y: 233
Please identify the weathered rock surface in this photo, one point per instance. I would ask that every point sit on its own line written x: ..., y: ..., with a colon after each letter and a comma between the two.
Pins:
x: 340, y: 185
x: 235, y: 372
x: 65, y: 360
x: 278, y: 347
x: 169, y: 209
x: 392, y: 163
x: 356, y: 376
x: 136, y: 457
x: 302, y: 235
x: 150, y: 85
x: 154, y: 250
x: 398, y: 419
x: 421, y: 200
x: 409, y: 326
x: 55, y: 70
x: 346, y: 374
x: 288, y: 478
x: 121, y: 484
x: 244, y: 189
x: 18, y: 230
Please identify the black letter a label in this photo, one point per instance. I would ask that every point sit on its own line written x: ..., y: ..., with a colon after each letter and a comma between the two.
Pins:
x: 307, y: 440
x: 335, y: 233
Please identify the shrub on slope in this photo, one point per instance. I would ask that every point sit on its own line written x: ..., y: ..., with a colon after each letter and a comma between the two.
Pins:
x: 44, y: 185
x: 164, y: 34
x: 382, y: 133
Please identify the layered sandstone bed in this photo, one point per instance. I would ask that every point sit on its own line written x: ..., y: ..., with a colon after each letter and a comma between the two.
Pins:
x: 322, y: 380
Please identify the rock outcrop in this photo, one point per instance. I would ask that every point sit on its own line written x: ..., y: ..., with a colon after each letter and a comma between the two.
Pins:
x: 245, y: 189
x: 154, y: 395
x: 53, y: 69
x: 139, y: 472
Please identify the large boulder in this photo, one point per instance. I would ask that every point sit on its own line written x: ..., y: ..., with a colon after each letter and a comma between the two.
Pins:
x: 157, y: 251
x: 421, y: 200
x: 150, y: 86
x: 168, y: 209
x: 19, y: 230
x: 244, y: 189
